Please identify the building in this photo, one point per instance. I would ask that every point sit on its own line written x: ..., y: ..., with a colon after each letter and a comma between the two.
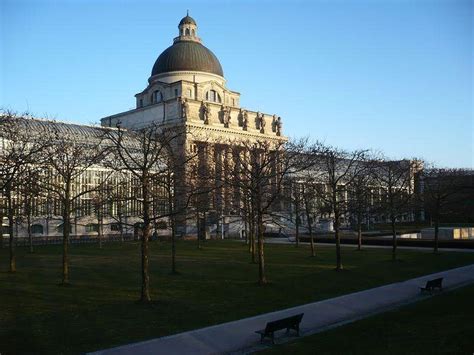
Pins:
x: 186, y: 90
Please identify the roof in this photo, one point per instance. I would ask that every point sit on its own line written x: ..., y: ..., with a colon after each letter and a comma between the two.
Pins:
x: 187, y: 20
x: 187, y: 55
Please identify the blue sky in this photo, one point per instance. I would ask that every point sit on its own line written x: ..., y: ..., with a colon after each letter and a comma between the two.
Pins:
x: 395, y: 76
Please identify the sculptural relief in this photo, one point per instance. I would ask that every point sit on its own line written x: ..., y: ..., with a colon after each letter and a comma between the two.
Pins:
x: 184, y: 108
x: 245, y: 119
x: 279, y: 126
x: 206, y: 112
x: 262, y: 123
x: 225, y: 111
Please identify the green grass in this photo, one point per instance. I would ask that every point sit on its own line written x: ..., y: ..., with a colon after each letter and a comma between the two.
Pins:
x: 439, y: 325
x: 215, y: 284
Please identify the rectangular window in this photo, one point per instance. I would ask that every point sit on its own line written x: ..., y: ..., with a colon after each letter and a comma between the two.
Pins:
x: 92, y: 228
x: 176, y: 92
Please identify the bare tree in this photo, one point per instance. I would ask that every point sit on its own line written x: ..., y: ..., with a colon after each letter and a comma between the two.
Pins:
x: 68, y: 159
x: 313, y: 205
x: 442, y: 190
x: 100, y: 199
x: 260, y: 169
x: 30, y: 194
x: 359, y: 202
x: 19, y: 148
x: 395, y: 184
x: 340, y: 169
x: 146, y: 155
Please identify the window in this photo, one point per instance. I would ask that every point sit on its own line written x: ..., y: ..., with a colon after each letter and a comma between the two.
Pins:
x: 115, y: 227
x: 92, y: 228
x: 187, y: 31
x: 156, y: 97
x: 213, y: 96
x: 37, y: 229
x: 161, y: 225
x: 176, y: 92
x: 233, y: 102
x: 190, y: 93
x: 140, y: 104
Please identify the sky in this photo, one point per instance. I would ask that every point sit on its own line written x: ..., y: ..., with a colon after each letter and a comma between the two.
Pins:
x: 395, y: 76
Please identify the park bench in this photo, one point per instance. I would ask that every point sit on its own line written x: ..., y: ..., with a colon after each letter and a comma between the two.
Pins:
x: 292, y: 322
x: 432, y: 284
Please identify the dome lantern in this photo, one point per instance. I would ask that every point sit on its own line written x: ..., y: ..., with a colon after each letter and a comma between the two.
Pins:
x: 187, y: 29
x: 187, y: 53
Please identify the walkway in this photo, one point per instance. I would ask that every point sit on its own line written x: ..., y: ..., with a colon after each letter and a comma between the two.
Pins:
x: 366, y: 246
x: 239, y: 337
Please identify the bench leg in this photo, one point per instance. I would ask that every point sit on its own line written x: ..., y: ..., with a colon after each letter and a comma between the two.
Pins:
x: 261, y: 338
x: 273, y: 338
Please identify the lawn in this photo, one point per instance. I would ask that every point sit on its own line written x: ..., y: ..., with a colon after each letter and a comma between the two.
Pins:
x: 439, y: 325
x: 215, y: 284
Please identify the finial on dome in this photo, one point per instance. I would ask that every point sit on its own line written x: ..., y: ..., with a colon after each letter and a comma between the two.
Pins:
x: 187, y: 12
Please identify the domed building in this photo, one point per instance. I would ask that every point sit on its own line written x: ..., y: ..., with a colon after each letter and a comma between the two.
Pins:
x: 187, y: 88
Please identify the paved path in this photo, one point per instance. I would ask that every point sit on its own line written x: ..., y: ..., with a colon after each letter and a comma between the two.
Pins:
x: 365, y: 246
x: 239, y: 337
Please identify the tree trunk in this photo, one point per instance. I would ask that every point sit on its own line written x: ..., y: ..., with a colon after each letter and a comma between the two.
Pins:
x: 173, y: 246
x: 310, y: 228
x: 246, y: 229
x: 99, y: 231
x: 198, y: 230
x: 261, y: 257
x: 11, y: 216
x: 338, y: 242
x: 394, y: 239
x: 66, y: 232
x: 30, y: 239
x: 1, y: 227
x: 436, y: 234
x: 359, y: 234
x: 121, y: 227
x: 145, y: 292
x: 297, y: 230
x: 252, y: 239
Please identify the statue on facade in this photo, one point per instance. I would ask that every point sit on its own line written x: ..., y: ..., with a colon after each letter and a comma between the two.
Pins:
x: 206, y: 112
x: 274, y: 123
x: 262, y: 123
x: 258, y: 121
x: 184, y: 107
x: 279, y: 126
x: 225, y: 115
x: 245, y: 119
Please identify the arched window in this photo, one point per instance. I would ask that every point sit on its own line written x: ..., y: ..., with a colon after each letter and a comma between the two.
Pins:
x: 37, y: 229
x: 187, y: 31
x: 156, y: 97
x: 213, y: 96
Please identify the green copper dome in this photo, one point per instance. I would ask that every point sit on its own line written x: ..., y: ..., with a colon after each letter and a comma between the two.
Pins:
x: 187, y: 55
